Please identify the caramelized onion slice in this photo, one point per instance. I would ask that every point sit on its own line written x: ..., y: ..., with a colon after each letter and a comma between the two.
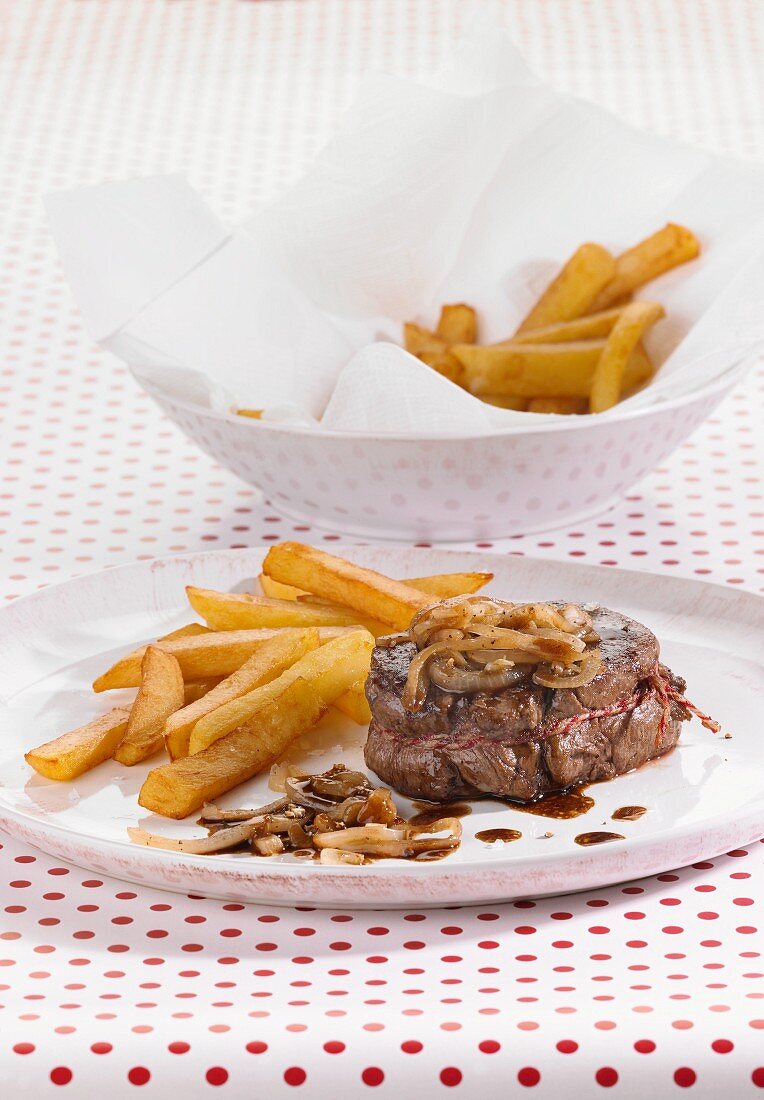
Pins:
x: 465, y: 681
x: 576, y: 677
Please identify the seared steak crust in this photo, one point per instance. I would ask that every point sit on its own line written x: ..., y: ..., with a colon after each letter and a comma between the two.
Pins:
x: 517, y: 743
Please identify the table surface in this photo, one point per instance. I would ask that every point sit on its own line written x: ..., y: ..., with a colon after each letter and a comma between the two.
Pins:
x: 657, y: 984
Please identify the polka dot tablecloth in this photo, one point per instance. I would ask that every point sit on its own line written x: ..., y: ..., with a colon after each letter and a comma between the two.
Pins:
x: 655, y: 987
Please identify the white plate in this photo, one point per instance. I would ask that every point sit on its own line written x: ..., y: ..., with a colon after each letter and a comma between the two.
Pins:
x: 705, y: 798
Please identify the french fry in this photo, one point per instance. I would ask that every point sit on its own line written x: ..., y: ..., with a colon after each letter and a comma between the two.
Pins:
x: 354, y: 703
x: 638, y: 373
x: 574, y: 291
x: 216, y: 654
x: 531, y: 370
x: 191, y: 630
x: 331, y: 670
x: 669, y: 247
x: 592, y: 327
x: 608, y: 380
x: 432, y: 350
x: 457, y: 324
x: 444, y: 585
x: 197, y: 689
x: 177, y: 789
x: 371, y: 593
x: 265, y: 665
x: 79, y: 750
x: 242, y: 611
x: 159, y: 696
x: 505, y: 401
x: 253, y: 414
x: 562, y: 406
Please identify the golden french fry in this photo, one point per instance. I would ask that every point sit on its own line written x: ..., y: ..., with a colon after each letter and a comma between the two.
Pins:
x: 197, y: 689
x: 159, y: 696
x: 440, y: 584
x: 432, y: 350
x: 669, y: 247
x: 457, y: 324
x: 190, y: 630
x: 331, y: 670
x: 253, y: 414
x: 531, y: 370
x: 446, y: 585
x: 216, y: 654
x: 444, y: 363
x: 354, y: 703
x: 241, y: 611
x: 505, y: 401
x: 277, y: 590
x: 562, y: 406
x: 592, y: 327
x: 371, y: 593
x: 639, y: 371
x: 573, y: 292
x: 265, y: 665
x: 79, y: 750
x: 608, y: 380
x: 179, y: 788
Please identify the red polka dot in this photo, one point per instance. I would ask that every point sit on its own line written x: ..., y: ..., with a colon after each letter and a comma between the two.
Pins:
x: 567, y: 1046
x: 411, y: 1046
x: 334, y: 1047
x: 685, y: 1077
x: 101, y: 1048
x: 450, y: 1076
x: 722, y: 1046
x: 528, y: 1076
x: 295, y: 1075
x: 644, y: 1046
x: 216, y: 1075
x: 372, y: 1076
x: 489, y: 1046
x: 257, y: 1047
x: 606, y: 1076
x: 139, y: 1075
x: 758, y: 1077
x: 61, y: 1075
x: 178, y: 1048
x: 23, y: 1048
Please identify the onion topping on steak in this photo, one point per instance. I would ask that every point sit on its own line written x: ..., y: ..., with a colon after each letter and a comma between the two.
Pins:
x: 472, y: 644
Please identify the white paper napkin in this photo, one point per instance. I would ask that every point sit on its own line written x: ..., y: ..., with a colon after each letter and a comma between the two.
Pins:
x: 472, y: 185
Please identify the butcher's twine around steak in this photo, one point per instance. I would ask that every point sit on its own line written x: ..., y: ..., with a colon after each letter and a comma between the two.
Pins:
x: 527, y: 740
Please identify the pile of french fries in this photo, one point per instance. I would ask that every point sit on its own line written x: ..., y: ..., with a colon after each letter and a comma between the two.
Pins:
x: 226, y: 697
x: 579, y: 349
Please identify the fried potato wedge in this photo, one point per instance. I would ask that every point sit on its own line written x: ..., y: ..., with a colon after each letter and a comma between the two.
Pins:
x: 457, y: 324
x: 178, y: 789
x: 242, y: 611
x: 506, y: 401
x: 439, y: 584
x: 196, y: 689
x: 331, y: 670
x: 253, y: 414
x: 669, y: 247
x: 215, y: 654
x: 355, y: 704
x: 79, y: 750
x: 561, y: 406
x: 432, y: 350
x: 371, y: 593
x: 575, y: 289
x: 159, y: 696
x: 531, y: 370
x: 608, y: 380
x: 191, y: 630
x: 271, y: 659
x: 592, y: 327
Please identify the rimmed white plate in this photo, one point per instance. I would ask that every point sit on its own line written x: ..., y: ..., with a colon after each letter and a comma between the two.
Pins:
x: 705, y: 798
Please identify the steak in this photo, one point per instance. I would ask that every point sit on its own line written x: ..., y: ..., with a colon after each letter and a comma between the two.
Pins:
x: 526, y: 740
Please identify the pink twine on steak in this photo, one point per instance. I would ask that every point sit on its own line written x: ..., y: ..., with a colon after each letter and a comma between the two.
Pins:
x: 657, y: 682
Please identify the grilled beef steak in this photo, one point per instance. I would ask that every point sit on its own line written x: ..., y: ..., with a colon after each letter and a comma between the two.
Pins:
x: 526, y: 740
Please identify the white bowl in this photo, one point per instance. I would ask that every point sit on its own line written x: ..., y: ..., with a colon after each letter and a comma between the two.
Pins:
x: 512, y: 481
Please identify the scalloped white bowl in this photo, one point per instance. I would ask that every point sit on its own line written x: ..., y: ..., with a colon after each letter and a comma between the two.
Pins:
x: 516, y: 480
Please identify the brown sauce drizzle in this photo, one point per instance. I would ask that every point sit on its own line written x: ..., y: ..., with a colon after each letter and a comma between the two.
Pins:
x: 561, y: 805
x: 427, y: 812
x: 586, y: 839
x: 628, y: 813
x: 491, y: 836
x: 430, y: 857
